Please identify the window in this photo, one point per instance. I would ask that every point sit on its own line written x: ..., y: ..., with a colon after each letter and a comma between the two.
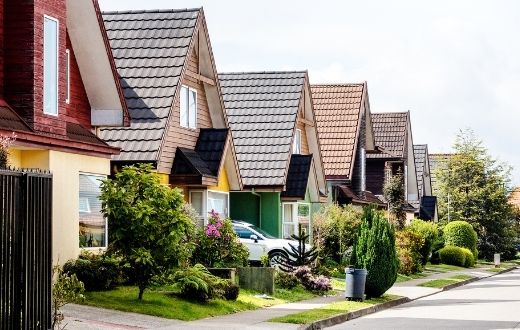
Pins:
x: 297, y: 145
x: 293, y: 215
x: 218, y: 202
x: 50, y: 66
x: 67, y: 55
x: 243, y: 232
x: 188, y: 107
x: 92, y: 224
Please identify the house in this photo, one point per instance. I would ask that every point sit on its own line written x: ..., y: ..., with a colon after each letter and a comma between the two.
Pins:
x: 274, y: 132
x: 345, y: 134
x: 178, y: 124
x: 393, y: 134
x: 427, y: 204
x: 58, y: 84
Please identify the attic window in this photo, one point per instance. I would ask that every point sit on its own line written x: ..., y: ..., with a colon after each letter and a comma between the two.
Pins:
x: 297, y: 144
x: 188, y: 107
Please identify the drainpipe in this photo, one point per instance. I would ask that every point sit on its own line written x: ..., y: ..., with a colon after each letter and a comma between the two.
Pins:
x: 259, y: 206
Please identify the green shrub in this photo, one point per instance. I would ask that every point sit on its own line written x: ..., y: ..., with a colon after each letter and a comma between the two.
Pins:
x: 435, y: 258
x: 98, y: 272
x: 231, y: 291
x: 335, y: 229
x: 430, y: 232
x: 199, y: 284
x: 469, y: 260
x: 375, y: 251
x: 219, y: 246
x: 286, y: 280
x: 452, y: 255
x: 462, y: 234
x: 409, y: 244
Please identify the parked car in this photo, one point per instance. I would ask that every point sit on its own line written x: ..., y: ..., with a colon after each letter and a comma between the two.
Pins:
x: 260, y: 243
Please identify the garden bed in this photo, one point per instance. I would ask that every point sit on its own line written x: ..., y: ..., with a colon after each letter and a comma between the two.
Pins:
x: 164, y: 302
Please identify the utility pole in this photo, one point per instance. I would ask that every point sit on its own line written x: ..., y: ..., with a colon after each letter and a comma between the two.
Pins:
x: 448, y: 207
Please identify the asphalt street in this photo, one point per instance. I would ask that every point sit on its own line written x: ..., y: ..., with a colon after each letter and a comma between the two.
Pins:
x: 491, y: 303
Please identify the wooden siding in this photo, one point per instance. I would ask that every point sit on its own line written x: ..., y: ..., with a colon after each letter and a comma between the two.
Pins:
x: 301, y: 126
x: 177, y: 136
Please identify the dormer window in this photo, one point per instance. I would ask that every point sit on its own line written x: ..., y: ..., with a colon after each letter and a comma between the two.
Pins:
x: 188, y: 107
x: 297, y: 144
x: 50, y: 66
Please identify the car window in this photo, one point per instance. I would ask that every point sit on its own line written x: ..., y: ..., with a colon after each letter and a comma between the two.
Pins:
x: 243, y: 232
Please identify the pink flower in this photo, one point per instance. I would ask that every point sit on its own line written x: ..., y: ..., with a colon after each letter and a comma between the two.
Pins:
x: 212, y: 231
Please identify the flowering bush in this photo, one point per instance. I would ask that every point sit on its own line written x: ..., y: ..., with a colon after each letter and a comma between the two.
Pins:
x: 5, y: 143
x: 409, y: 244
x: 311, y: 282
x: 218, y: 245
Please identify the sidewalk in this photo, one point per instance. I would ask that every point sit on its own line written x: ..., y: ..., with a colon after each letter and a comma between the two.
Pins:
x: 88, y: 318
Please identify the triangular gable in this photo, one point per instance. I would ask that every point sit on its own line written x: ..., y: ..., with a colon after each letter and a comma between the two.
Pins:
x: 297, y: 177
x: 96, y: 64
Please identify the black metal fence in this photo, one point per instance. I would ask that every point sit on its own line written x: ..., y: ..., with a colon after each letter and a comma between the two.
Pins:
x: 25, y: 250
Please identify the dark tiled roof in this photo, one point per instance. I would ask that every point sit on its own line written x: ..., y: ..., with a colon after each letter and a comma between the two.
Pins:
x: 150, y: 50
x: 210, y: 146
x: 420, y: 152
x: 205, y: 160
x: 79, y: 133
x: 261, y: 109
x: 390, y: 132
x: 365, y: 197
x: 428, y: 206
x: 9, y: 120
x: 337, y: 109
x: 297, y: 176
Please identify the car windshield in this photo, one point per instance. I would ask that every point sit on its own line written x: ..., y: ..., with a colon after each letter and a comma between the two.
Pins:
x: 262, y: 232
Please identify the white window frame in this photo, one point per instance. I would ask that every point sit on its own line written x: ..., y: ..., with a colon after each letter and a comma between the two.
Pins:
x: 188, y: 89
x: 87, y: 204
x: 217, y: 192
x: 67, y: 58
x: 204, y: 192
x: 297, y: 144
x: 294, y: 221
x: 57, y: 64
x: 97, y: 248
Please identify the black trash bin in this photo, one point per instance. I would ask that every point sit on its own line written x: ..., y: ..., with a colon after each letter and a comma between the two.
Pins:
x: 355, y: 283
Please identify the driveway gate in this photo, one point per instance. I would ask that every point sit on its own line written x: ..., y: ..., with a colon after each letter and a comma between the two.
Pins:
x: 25, y: 249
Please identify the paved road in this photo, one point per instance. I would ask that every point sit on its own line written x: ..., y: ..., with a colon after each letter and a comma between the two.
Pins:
x: 491, y: 303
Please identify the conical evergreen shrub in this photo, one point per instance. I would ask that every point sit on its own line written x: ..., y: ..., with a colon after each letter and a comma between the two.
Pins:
x: 374, y: 250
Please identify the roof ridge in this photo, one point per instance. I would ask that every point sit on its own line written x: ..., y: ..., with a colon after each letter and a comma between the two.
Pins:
x: 338, y: 84
x: 391, y: 113
x: 150, y: 11
x: 261, y: 72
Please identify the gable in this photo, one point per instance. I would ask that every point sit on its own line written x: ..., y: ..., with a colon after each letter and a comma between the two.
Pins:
x: 262, y: 109
x: 391, y: 133
x: 338, y: 115
x: 150, y: 49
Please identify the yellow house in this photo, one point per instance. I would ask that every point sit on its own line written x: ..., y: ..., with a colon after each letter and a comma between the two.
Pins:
x: 178, y: 122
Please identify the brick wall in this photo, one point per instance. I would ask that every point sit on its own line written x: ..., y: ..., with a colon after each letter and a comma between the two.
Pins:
x: 1, y: 48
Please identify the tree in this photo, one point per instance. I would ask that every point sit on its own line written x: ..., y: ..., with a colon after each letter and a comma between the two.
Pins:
x: 299, y: 255
x: 375, y: 251
x: 394, y: 193
x: 147, y: 226
x: 474, y: 187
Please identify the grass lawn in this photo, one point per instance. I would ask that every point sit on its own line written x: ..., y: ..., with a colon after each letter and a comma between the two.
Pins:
x: 338, y: 284
x: 490, y: 266
x: 330, y: 310
x: 442, y: 282
x: 404, y: 278
x: 442, y: 268
x: 164, y: 303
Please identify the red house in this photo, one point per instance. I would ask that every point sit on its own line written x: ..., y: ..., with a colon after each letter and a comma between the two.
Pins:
x: 58, y: 84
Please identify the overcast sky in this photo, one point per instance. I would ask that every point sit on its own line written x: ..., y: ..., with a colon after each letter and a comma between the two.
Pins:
x: 453, y: 64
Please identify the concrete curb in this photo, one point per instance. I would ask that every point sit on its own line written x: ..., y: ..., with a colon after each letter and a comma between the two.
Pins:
x: 328, y: 322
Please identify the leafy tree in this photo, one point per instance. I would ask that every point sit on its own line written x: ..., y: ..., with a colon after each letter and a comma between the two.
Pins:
x: 375, y: 251
x: 299, y: 255
x: 394, y: 194
x: 147, y: 225
x: 474, y: 187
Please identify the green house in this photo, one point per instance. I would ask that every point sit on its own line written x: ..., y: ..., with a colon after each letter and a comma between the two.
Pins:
x: 273, y: 127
